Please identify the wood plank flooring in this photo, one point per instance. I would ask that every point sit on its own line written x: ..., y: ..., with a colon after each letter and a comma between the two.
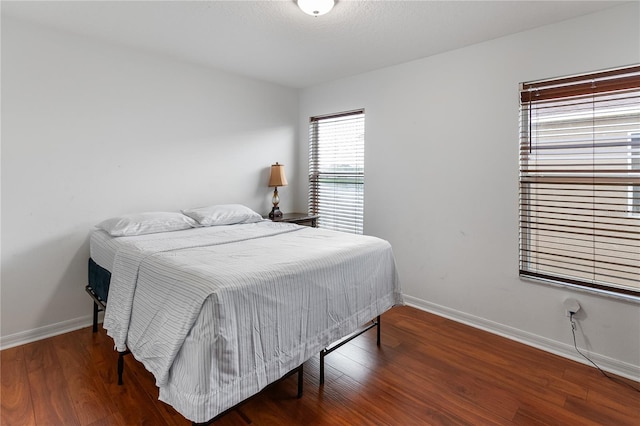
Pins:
x: 428, y: 371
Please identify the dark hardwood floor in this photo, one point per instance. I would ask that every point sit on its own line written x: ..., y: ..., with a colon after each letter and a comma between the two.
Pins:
x: 429, y: 370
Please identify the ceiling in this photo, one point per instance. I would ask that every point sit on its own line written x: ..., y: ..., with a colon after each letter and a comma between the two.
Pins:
x: 276, y: 42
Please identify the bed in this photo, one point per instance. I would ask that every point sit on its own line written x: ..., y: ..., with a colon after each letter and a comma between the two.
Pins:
x: 216, y: 313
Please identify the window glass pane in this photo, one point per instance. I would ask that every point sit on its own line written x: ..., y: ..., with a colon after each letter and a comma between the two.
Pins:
x: 336, y: 171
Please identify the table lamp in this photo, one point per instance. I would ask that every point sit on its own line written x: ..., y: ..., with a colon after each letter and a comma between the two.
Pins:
x: 276, y: 179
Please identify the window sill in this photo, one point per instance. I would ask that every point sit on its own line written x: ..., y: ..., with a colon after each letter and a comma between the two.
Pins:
x: 593, y: 291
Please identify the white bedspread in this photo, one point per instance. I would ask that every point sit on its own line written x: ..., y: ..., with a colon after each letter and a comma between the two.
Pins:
x: 218, y: 313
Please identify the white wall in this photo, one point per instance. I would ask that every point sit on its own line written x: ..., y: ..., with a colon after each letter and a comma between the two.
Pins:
x: 91, y: 130
x: 442, y: 180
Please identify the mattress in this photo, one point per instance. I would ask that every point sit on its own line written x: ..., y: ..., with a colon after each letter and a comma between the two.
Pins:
x: 218, y: 313
x: 99, y: 279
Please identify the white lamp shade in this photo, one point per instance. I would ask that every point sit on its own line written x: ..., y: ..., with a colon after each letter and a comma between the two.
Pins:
x: 316, y: 7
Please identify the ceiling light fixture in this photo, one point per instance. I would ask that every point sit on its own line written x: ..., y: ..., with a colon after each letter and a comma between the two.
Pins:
x: 316, y: 7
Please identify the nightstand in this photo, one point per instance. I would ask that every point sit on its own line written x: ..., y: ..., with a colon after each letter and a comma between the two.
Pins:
x: 299, y: 218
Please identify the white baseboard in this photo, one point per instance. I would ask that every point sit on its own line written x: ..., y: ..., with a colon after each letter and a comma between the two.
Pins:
x: 612, y: 365
x: 615, y: 366
x: 40, y: 333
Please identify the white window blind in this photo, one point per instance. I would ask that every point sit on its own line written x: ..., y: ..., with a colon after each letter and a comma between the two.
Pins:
x: 336, y: 170
x: 580, y: 180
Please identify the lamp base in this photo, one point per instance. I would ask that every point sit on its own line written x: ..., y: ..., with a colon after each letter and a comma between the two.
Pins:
x: 275, y: 213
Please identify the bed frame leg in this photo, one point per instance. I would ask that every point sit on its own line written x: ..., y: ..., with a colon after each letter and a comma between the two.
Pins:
x: 300, y: 381
x: 121, y: 365
x: 95, y: 317
x: 322, y: 355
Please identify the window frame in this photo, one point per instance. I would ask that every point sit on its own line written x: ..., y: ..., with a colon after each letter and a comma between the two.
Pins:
x: 634, y: 164
x: 335, y: 213
x: 536, y: 177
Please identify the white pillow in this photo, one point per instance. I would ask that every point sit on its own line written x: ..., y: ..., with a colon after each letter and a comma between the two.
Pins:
x: 146, y: 223
x: 223, y: 214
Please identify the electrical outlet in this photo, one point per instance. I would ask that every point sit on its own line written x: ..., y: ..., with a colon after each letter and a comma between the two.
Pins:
x: 571, y: 306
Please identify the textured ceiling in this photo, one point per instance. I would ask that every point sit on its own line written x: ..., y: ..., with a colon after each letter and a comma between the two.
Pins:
x: 277, y: 42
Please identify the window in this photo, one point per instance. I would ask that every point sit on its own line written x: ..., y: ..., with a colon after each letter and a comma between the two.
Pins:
x: 580, y: 180
x: 634, y: 165
x: 336, y: 170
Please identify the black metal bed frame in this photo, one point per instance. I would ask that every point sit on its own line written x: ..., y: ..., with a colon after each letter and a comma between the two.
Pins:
x: 100, y: 305
x: 335, y: 345
x: 298, y: 370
